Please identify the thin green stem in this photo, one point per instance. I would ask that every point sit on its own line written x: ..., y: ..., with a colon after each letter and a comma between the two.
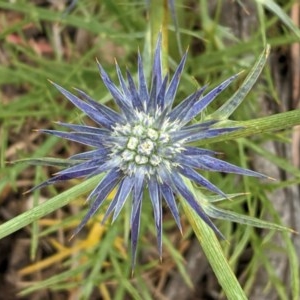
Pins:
x: 214, y: 253
x: 47, y: 207
x: 275, y: 122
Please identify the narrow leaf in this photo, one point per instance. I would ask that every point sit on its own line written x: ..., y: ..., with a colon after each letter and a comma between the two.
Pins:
x: 230, y: 106
x: 218, y: 213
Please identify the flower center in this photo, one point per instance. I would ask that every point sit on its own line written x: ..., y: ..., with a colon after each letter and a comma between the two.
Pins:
x: 146, y: 146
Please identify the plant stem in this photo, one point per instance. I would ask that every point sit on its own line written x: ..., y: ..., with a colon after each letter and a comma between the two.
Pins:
x: 213, y: 252
x: 47, y: 207
x: 275, y: 122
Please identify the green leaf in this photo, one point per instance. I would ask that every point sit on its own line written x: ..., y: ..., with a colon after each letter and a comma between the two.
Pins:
x: 277, y: 10
x: 261, y: 125
x: 48, y: 161
x: 47, y: 207
x: 230, y: 106
x: 218, y: 198
x: 219, y: 213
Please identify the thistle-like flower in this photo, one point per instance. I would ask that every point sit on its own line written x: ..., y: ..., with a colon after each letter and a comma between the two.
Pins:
x: 145, y: 146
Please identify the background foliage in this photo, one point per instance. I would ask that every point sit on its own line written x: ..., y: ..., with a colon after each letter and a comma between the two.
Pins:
x: 40, y: 41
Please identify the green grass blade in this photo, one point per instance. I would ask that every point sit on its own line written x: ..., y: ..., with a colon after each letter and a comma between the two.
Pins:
x: 278, y: 11
x: 47, y: 207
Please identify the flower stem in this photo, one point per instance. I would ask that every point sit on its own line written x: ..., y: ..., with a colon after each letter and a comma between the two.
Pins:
x: 213, y: 252
x: 275, y: 122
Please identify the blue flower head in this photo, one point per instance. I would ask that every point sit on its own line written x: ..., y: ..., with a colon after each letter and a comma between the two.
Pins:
x: 145, y: 147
